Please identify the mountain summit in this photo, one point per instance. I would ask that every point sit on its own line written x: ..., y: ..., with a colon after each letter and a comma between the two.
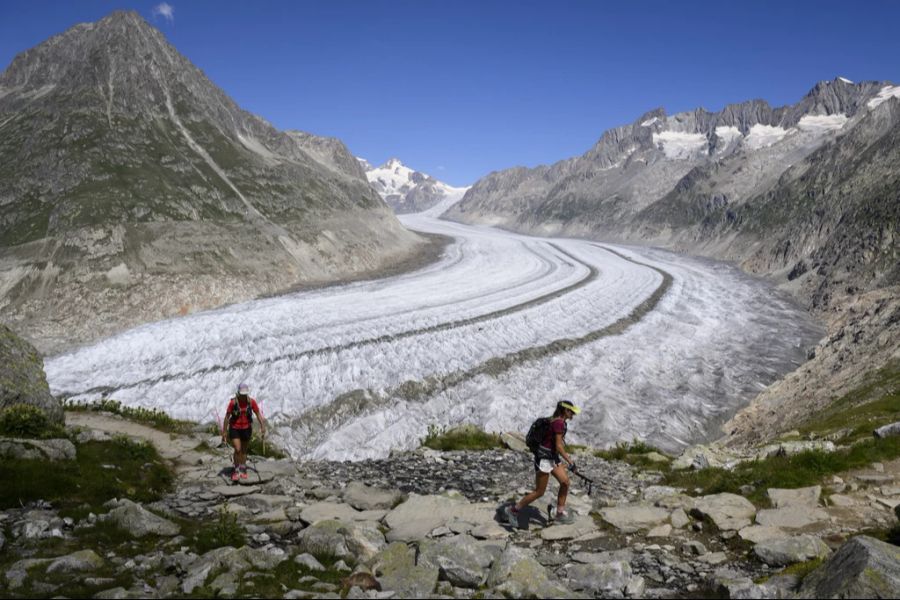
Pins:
x: 124, y: 165
x: 407, y: 190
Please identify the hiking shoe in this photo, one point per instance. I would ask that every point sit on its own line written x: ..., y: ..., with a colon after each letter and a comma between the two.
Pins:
x: 235, y: 475
x: 564, y: 518
x: 243, y: 472
x: 512, y: 518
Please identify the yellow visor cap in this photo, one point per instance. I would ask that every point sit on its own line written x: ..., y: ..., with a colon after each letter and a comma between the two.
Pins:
x: 570, y: 406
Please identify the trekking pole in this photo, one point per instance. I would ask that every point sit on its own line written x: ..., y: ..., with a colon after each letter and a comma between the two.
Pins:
x: 589, y: 481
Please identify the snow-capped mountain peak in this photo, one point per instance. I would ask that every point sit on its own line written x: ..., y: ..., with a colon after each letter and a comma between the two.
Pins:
x: 407, y: 190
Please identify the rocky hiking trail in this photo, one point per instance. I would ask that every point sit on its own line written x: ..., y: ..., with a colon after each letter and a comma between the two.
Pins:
x: 425, y: 524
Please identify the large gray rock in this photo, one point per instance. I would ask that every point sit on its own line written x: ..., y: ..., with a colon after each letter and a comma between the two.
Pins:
x: 862, y: 568
x: 781, y: 552
x: 514, y: 441
x: 363, y: 497
x: 726, y: 511
x: 397, y: 571
x: 233, y: 562
x: 791, y: 517
x: 328, y: 511
x: 77, y: 562
x: 22, y: 377
x: 22, y: 449
x: 887, y: 430
x: 460, y: 559
x: 759, y: 533
x: 517, y: 574
x: 341, y: 539
x: 140, y: 522
x: 419, y: 515
x: 583, y: 525
x: 603, y: 578
x: 802, y: 497
x: 631, y: 518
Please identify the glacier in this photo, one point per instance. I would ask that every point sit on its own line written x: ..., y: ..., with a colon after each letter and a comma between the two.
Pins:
x: 652, y: 345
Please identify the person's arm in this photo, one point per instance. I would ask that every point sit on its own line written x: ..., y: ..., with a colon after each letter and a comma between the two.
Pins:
x: 225, y: 422
x: 262, y: 422
x: 561, y: 449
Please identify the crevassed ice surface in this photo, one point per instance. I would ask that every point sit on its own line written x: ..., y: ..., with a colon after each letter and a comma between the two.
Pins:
x: 358, y: 370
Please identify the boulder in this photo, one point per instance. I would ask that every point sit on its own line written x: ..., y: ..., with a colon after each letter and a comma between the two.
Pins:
x: 789, y: 448
x: 362, y: 497
x: 22, y: 449
x: 517, y: 574
x: 679, y: 518
x: 808, y: 497
x: 787, y: 551
x: 17, y: 574
x: 459, y: 559
x: 604, y: 578
x: 341, y: 539
x: 514, y: 441
x: 396, y: 569
x: 77, y: 562
x: 140, y: 522
x: 758, y: 533
x: 583, y: 525
x: 23, y: 378
x: 309, y: 561
x: 419, y: 515
x: 725, y: 511
x: 663, y: 530
x: 335, y: 511
x: 631, y: 518
x: 792, y: 517
x: 232, y: 562
x: 862, y: 568
x: 887, y: 430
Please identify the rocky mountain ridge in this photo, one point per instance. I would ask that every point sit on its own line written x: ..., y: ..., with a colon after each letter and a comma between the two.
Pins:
x: 134, y: 187
x: 806, y: 195
x: 406, y: 190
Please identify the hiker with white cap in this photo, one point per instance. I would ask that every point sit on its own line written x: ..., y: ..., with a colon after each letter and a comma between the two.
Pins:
x: 546, y: 439
x: 239, y: 427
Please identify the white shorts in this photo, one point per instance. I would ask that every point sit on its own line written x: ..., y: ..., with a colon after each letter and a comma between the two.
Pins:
x: 546, y: 465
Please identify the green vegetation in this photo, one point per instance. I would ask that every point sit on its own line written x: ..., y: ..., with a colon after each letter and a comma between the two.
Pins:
x: 466, y: 437
x: 800, y: 470
x: 226, y: 531
x: 799, y: 570
x: 856, y: 414
x: 27, y: 421
x: 288, y: 574
x: 154, y: 418
x: 634, y: 453
x: 119, y: 468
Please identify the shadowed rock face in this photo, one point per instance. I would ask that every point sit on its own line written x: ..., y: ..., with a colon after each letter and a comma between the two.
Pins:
x: 124, y: 164
x: 22, y: 379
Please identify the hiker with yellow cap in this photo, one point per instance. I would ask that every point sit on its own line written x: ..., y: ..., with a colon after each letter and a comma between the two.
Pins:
x: 546, y: 439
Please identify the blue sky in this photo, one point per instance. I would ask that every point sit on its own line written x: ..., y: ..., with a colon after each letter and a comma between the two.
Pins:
x: 458, y: 89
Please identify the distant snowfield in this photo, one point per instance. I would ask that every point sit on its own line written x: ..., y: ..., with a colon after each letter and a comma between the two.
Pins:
x: 650, y: 344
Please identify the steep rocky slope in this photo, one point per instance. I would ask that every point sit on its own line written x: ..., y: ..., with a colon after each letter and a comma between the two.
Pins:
x: 808, y: 195
x: 134, y: 188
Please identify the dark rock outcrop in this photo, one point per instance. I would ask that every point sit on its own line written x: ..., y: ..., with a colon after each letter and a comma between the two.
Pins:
x: 22, y: 378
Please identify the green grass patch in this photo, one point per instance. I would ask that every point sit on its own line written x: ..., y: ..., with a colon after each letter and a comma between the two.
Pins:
x: 225, y: 531
x: 634, y: 453
x: 466, y: 437
x: 153, y: 417
x: 859, y: 412
x: 800, y: 470
x: 119, y: 468
x: 27, y: 421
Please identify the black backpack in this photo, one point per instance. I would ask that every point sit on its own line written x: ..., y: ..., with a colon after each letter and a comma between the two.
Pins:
x: 537, y: 433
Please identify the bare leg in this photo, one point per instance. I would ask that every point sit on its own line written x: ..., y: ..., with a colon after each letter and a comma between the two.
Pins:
x: 540, y: 486
x: 562, y: 476
x: 236, y: 458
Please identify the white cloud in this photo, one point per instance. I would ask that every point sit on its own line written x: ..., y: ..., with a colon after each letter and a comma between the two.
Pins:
x: 166, y: 10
